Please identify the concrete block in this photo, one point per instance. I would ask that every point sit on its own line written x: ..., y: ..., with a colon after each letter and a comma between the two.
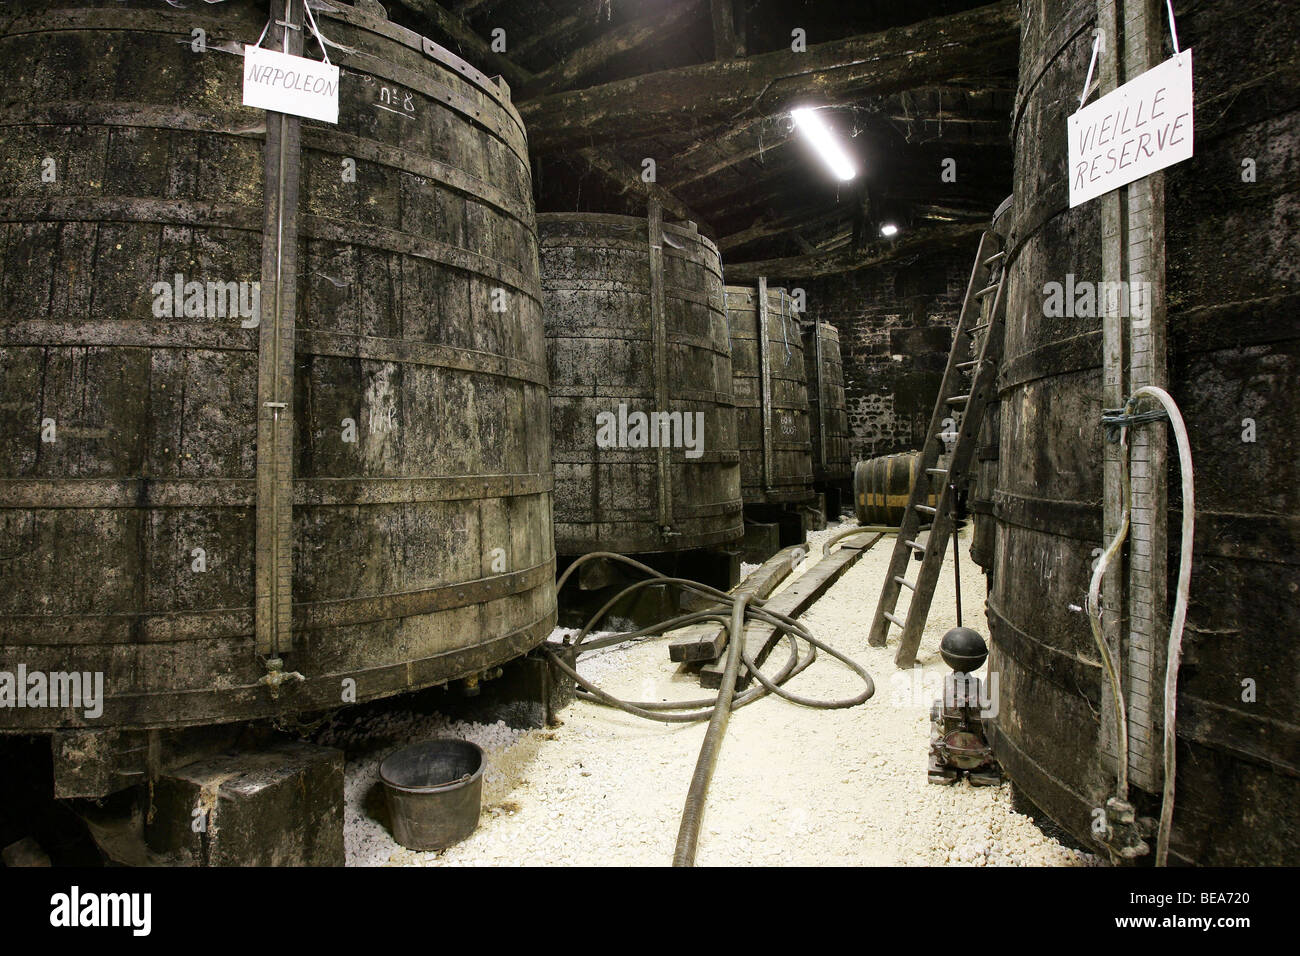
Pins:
x: 527, y: 696
x: 282, y: 806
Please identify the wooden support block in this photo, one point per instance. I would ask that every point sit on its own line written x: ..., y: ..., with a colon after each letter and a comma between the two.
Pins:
x: 706, y: 641
x: 761, y: 541
x: 761, y: 638
x: 794, y: 524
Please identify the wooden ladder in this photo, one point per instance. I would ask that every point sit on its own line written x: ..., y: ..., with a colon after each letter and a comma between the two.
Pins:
x: 982, y: 310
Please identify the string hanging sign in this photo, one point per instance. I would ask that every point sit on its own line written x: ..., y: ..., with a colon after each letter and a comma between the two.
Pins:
x: 291, y: 84
x: 1138, y: 129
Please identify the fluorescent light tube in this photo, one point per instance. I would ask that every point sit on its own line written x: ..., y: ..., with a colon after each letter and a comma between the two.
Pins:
x: 824, y: 142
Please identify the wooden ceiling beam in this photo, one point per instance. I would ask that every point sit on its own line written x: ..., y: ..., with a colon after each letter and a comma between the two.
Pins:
x: 626, y: 38
x: 560, y: 29
x: 468, y: 8
x: 601, y: 161
x: 624, y: 179
x: 751, y: 145
x: 876, y: 253
x: 920, y: 54
x: 770, y: 225
x: 727, y: 44
x: 470, y: 44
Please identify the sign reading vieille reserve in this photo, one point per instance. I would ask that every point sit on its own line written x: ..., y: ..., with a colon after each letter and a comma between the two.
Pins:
x: 1133, y: 131
x: 291, y: 84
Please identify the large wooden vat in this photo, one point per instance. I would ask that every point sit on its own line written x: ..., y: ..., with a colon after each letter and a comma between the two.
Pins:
x: 828, y: 414
x: 772, y: 420
x: 353, y: 481
x: 1233, y: 356
x: 635, y: 326
x: 882, y: 487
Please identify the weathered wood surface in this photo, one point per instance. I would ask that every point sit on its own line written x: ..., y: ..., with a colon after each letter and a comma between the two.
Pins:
x: 477, y: 50
x: 656, y: 26
x: 871, y: 254
x: 1231, y: 296
x: 920, y: 54
x: 827, y: 405
x: 802, y: 593
x: 771, y: 392
x: 705, y: 642
x: 601, y: 330
x: 422, y: 551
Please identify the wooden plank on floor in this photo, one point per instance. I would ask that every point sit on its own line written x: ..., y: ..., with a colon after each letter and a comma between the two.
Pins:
x: 761, y: 638
x: 705, y: 642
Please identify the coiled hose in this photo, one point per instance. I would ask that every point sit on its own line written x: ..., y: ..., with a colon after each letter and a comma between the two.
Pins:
x: 731, y: 611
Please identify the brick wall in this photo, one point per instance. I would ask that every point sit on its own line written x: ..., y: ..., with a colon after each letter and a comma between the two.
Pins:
x: 895, y: 324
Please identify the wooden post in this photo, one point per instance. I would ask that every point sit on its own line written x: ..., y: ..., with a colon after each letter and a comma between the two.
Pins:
x: 1133, y: 254
x: 273, y: 545
x: 659, y: 334
x: 765, y: 381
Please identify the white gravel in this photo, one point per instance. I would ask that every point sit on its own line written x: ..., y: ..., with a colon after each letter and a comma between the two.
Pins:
x: 793, y: 786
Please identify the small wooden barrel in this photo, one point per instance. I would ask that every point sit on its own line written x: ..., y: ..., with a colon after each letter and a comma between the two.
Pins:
x: 882, y: 486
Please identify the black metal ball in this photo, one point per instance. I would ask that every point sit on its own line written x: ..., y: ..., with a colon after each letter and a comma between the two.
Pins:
x: 963, y: 650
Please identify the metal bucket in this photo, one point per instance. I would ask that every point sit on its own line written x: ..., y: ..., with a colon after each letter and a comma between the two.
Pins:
x: 434, y: 791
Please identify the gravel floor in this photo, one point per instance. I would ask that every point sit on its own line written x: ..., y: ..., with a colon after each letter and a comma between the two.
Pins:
x: 793, y: 785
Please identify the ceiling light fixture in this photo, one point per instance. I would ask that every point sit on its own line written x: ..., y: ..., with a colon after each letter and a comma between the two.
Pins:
x: 824, y: 142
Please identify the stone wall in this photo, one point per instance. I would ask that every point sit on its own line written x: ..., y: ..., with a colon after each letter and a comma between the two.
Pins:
x: 895, y: 324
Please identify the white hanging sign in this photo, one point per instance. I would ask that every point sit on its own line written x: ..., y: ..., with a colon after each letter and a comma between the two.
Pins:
x: 291, y: 84
x: 1133, y: 131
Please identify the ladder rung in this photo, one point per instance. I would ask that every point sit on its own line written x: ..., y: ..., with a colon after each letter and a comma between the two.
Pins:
x: 977, y: 328
x: 927, y: 509
x: 895, y: 619
x: 936, y: 471
x: 971, y: 364
x: 914, y: 546
x: 958, y: 399
x: 904, y: 582
x: 996, y: 257
x: 987, y: 290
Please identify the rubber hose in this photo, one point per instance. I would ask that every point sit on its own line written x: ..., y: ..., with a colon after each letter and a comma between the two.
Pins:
x: 688, y: 835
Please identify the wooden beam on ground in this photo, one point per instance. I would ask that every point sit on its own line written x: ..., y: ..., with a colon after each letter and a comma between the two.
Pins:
x: 875, y: 253
x: 704, y: 642
x: 626, y: 38
x: 921, y: 54
x: 803, y: 592
x: 471, y: 46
